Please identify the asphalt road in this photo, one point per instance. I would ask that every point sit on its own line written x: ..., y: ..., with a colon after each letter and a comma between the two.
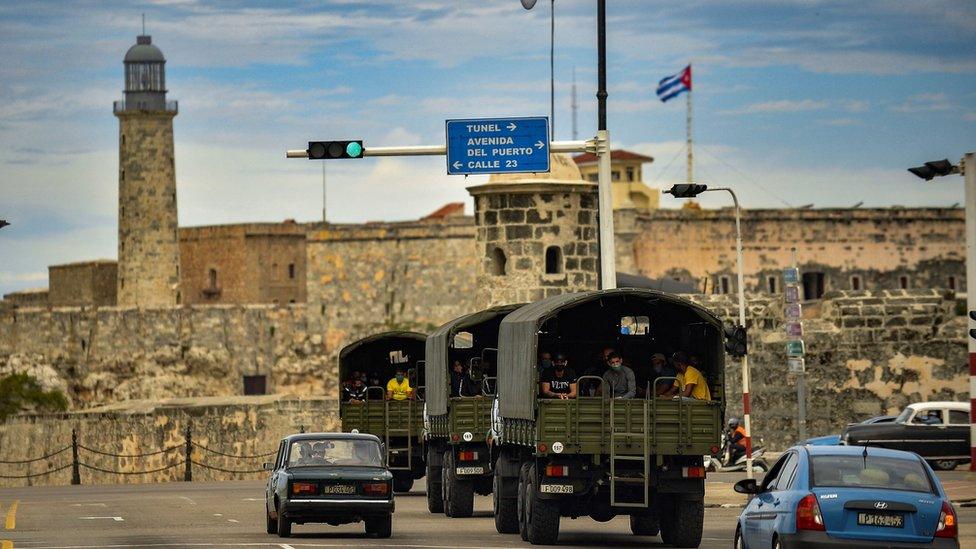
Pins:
x: 230, y: 514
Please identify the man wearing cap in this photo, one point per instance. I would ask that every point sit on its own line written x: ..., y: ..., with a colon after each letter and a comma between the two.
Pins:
x: 558, y: 381
x: 691, y: 383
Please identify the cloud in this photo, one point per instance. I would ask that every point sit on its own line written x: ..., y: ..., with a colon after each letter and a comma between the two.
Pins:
x: 780, y: 106
x: 925, y: 102
x: 969, y: 116
x: 843, y: 122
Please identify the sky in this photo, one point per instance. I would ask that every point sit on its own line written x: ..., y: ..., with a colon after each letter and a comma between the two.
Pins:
x: 795, y: 102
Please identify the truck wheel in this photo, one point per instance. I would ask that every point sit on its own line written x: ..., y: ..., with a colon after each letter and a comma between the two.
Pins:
x: 542, y: 515
x: 505, y: 508
x: 458, y: 494
x: 284, y: 525
x: 644, y: 525
x: 402, y: 483
x: 435, y: 499
x: 682, y: 522
x: 521, y: 503
x: 381, y: 527
x: 944, y: 464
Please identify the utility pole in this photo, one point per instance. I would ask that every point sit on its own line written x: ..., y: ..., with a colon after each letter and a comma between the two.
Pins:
x: 608, y: 272
x: 324, y: 218
x: 552, y: 69
x: 574, y: 106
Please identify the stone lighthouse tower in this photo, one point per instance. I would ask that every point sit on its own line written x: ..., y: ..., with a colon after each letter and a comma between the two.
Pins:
x: 537, y: 234
x: 148, y: 243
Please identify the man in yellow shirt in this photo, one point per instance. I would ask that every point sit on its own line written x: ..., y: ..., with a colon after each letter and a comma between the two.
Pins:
x: 399, y: 388
x: 691, y: 383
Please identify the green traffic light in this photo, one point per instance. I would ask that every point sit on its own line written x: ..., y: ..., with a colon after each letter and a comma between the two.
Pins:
x: 354, y: 149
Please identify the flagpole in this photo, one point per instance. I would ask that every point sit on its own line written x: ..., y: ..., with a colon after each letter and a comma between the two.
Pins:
x: 691, y: 173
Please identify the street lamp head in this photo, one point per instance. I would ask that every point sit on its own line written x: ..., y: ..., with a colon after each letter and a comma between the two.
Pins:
x: 528, y: 4
x: 933, y: 169
x: 3, y: 223
x: 686, y: 190
x: 923, y: 172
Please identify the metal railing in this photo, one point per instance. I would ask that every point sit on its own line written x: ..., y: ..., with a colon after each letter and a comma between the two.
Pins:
x: 142, y: 106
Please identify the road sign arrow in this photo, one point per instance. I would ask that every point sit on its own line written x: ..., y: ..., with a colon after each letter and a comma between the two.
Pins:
x: 457, y: 164
x: 511, y: 126
x: 539, y: 144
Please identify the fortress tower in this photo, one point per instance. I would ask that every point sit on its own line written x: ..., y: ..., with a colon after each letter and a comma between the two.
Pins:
x: 537, y: 235
x: 149, y: 257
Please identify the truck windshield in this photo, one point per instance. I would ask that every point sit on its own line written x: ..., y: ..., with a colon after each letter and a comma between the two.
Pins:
x: 870, y: 472
x: 325, y: 452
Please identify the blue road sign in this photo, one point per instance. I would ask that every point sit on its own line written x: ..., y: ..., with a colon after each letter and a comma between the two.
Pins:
x: 498, y: 145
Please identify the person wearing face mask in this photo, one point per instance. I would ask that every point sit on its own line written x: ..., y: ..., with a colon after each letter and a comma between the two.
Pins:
x: 545, y: 361
x: 399, y: 388
x: 558, y: 381
x: 620, y: 378
x: 661, y: 368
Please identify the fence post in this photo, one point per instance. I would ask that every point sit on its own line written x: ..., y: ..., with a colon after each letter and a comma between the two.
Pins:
x: 75, y: 472
x: 188, y: 471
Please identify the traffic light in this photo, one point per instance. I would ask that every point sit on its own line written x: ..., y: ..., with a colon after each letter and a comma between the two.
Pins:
x: 736, y: 341
x: 329, y: 150
x: 687, y: 190
x: 972, y: 331
x: 932, y: 169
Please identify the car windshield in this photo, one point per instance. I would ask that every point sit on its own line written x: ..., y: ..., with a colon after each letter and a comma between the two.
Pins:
x: 330, y: 452
x: 904, y: 415
x: 870, y: 472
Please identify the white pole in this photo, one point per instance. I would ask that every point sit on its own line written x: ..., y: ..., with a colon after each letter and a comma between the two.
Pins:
x: 608, y: 271
x: 968, y: 166
x: 746, y: 405
x: 801, y: 388
x: 323, y: 194
x: 690, y: 170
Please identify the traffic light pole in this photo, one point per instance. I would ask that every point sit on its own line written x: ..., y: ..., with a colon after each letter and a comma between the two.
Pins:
x: 969, y: 172
x: 746, y: 405
x: 590, y: 145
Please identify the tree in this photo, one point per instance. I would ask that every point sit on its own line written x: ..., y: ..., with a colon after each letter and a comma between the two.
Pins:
x: 21, y: 392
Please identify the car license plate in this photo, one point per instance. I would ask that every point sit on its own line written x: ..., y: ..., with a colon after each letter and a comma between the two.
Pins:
x: 339, y: 489
x: 556, y: 488
x: 470, y: 470
x: 881, y: 519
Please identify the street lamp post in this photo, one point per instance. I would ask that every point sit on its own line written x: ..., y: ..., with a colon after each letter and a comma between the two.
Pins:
x: 608, y: 271
x: 689, y: 191
x: 967, y: 166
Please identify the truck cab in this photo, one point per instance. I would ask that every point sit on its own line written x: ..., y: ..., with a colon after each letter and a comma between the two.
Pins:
x: 461, y: 377
x: 398, y: 423
x: 595, y: 455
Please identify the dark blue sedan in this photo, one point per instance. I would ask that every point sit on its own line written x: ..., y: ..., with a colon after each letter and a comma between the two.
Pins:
x: 844, y: 496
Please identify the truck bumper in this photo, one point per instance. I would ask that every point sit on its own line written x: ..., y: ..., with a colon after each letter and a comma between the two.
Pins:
x: 820, y: 540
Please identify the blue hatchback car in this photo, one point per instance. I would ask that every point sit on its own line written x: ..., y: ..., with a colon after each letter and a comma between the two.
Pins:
x: 846, y: 496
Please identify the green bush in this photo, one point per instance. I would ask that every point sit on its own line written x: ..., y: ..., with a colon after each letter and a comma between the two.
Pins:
x: 21, y: 392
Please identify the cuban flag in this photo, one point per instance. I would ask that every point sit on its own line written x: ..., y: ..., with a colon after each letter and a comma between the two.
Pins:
x: 674, y: 85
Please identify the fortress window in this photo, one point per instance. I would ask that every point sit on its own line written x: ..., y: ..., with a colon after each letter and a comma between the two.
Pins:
x: 497, y: 260
x: 903, y: 282
x: 855, y: 282
x: 772, y: 284
x: 291, y: 270
x: 274, y: 271
x: 724, y: 285
x: 813, y: 285
x: 255, y: 385
x: 554, y: 260
x: 952, y: 283
x: 212, y: 275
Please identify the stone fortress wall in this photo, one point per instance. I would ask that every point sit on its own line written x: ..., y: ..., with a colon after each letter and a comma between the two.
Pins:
x: 869, y: 352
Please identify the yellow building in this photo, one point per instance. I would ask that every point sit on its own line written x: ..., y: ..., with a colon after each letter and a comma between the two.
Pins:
x: 627, y: 175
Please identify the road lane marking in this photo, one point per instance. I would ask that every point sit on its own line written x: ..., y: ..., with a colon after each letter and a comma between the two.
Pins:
x: 6, y: 544
x: 232, y: 520
x: 116, y: 519
x: 218, y: 514
x: 88, y: 505
x: 285, y: 546
x: 11, y: 521
x: 188, y: 500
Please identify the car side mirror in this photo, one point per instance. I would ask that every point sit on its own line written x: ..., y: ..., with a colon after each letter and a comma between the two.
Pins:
x: 746, y: 486
x: 266, y: 466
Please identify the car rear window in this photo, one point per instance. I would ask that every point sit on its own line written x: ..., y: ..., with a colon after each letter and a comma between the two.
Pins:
x: 870, y: 472
x: 325, y: 452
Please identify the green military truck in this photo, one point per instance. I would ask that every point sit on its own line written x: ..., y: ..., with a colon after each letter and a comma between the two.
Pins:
x: 592, y: 455
x: 398, y: 423
x: 458, y: 456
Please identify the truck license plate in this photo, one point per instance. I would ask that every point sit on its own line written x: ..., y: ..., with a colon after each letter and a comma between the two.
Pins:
x: 470, y: 470
x: 556, y: 488
x: 339, y: 489
x: 881, y: 519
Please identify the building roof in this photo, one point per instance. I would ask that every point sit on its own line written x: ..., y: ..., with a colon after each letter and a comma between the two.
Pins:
x: 451, y: 209
x: 88, y: 263
x: 144, y: 52
x: 619, y: 154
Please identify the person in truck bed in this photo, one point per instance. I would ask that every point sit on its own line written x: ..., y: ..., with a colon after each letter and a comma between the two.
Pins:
x: 691, y: 383
x: 558, y: 381
x: 620, y: 378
